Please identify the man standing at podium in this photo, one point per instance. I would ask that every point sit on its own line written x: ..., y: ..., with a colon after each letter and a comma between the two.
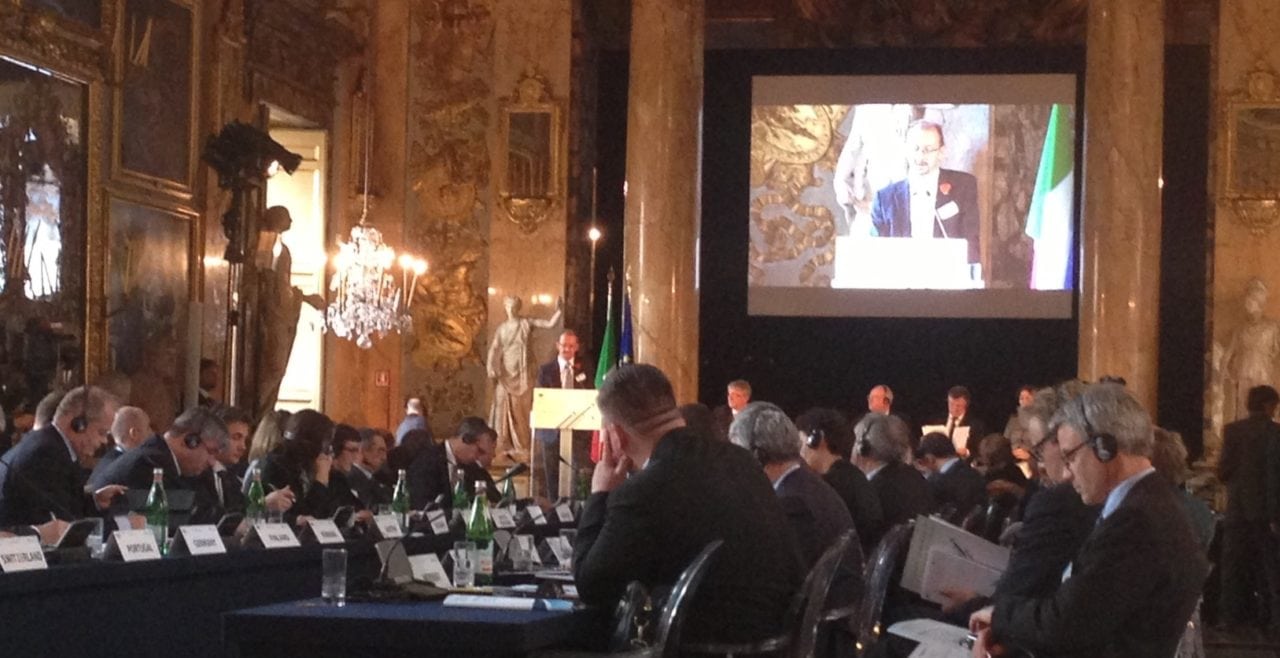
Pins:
x: 930, y: 202
x: 567, y: 370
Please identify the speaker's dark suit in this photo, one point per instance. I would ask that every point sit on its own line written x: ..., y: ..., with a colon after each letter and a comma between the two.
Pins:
x: 860, y: 498
x: 693, y: 491
x: 891, y: 210
x: 977, y: 430
x: 1248, y: 547
x: 1132, y: 588
x: 960, y: 487
x: 549, y: 440
x: 903, y: 493
x: 39, y: 478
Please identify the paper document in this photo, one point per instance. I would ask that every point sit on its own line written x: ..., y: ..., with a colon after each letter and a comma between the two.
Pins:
x: 945, y: 570
x: 505, y: 602
x: 930, y: 533
x: 937, y: 639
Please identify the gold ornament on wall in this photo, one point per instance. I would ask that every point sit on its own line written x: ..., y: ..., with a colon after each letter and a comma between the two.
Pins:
x: 530, y: 162
x: 1251, y: 180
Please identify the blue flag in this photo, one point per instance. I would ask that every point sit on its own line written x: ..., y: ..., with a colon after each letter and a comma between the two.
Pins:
x: 626, y: 353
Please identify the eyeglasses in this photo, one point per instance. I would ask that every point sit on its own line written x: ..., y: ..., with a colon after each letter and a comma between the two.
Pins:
x: 1037, y: 450
x: 927, y: 150
x: 1068, y: 455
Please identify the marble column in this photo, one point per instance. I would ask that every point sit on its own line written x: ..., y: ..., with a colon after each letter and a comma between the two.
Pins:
x: 1124, y: 91
x: 664, y: 151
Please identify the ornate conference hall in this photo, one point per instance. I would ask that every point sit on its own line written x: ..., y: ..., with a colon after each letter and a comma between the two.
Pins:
x: 527, y: 327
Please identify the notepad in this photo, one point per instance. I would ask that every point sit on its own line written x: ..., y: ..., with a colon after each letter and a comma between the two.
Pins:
x: 505, y: 602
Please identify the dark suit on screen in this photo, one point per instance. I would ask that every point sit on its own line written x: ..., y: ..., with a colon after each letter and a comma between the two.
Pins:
x: 860, y: 498
x: 891, y: 210
x: 692, y: 492
x: 1132, y: 588
x: 549, y: 440
x: 39, y: 480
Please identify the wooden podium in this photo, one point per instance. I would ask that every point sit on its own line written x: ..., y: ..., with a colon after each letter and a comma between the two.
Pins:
x: 564, y: 410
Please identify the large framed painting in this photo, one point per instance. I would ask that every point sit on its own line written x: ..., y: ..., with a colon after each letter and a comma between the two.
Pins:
x: 155, y: 138
x: 148, y: 292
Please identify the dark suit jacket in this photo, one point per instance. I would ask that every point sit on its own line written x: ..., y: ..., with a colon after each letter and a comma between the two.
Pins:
x: 584, y: 376
x: 368, y: 490
x: 113, y: 453
x: 891, y: 210
x: 1132, y: 588
x: 693, y: 491
x: 39, y: 478
x: 817, y: 518
x: 311, y: 497
x: 903, y: 493
x: 428, y: 477
x: 977, y: 430
x: 860, y: 498
x: 1243, y: 466
x: 961, y: 487
x: 133, y: 468
x: 1055, y: 524
x: 207, y: 499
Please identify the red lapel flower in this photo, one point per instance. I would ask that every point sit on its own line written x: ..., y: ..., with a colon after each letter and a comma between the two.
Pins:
x: 945, y: 188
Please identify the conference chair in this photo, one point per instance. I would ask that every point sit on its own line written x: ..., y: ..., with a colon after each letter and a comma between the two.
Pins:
x: 880, y: 569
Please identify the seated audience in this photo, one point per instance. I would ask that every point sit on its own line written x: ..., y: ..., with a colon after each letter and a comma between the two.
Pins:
x: 222, y: 488
x: 373, y: 454
x: 828, y: 440
x: 129, y: 429
x: 266, y: 438
x: 1169, y: 457
x: 303, y: 465
x: 956, y: 487
x: 1006, y: 484
x: 431, y: 471
x: 43, y: 479
x: 881, y: 444
x: 660, y: 494
x: 1136, y: 580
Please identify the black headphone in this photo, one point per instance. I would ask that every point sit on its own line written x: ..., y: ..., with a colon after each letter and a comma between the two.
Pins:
x: 864, y: 448
x: 191, y: 440
x: 80, y: 422
x: 815, y: 437
x: 1103, y: 444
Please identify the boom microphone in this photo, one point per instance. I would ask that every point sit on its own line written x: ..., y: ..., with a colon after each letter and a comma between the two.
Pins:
x: 512, y: 472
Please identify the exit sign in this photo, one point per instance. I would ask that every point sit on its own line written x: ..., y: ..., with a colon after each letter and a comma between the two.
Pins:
x: 382, y: 378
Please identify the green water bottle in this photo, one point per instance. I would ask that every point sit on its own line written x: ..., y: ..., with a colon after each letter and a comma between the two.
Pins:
x: 255, y: 508
x: 400, y: 500
x: 480, y: 531
x: 461, y: 500
x: 157, y: 510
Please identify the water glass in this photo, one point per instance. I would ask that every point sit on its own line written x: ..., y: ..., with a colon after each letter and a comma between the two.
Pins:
x: 568, y: 538
x: 464, y: 564
x: 95, y: 542
x: 333, y: 586
x: 521, y: 556
x: 275, y: 516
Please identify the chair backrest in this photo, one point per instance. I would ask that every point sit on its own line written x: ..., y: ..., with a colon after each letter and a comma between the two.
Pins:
x: 630, y: 619
x: 880, y: 569
x: 670, y: 621
x: 814, y: 591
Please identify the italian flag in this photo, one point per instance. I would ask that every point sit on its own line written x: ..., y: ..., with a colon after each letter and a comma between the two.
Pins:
x: 1049, y: 220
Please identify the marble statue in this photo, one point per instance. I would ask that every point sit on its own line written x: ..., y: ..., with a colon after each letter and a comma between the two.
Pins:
x: 511, y: 374
x: 278, y: 308
x: 1250, y: 357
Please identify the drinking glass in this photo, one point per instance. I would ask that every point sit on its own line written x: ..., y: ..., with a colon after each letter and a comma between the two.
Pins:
x: 94, y: 542
x: 521, y: 558
x: 464, y: 564
x: 333, y: 585
x: 568, y: 538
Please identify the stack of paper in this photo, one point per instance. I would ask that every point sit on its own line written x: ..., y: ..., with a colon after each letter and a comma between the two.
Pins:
x: 945, y: 557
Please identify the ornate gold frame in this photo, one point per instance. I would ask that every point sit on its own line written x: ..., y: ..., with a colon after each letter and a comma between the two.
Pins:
x: 1256, y: 209
x: 182, y: 190
x: 80, y: 55
x: 532, y: 95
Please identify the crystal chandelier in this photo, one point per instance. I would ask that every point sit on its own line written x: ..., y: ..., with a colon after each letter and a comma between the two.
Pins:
x: 368, y: 300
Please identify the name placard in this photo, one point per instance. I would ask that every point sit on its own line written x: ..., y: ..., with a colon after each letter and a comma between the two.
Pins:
x: 21, y: 554
x: 560, y: 550
x: 275, y: 535
x: 502, y: 518
x: 525, y: 542
x: 133, y: 545
x: 326, y: 531
x: 439, y: 526
x: 427, y: 568
x: 536, y: 514
x: 564, y: 513
x: 198, y: 540
x: 388, y: 526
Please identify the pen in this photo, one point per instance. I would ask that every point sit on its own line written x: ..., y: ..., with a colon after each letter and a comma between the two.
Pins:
x: 960, y: 549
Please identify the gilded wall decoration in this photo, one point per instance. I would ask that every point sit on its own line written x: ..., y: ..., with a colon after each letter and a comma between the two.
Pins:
x: 1251, y: 185
x: 155, y: 137
x: 37, y: 34
x: 44, y: 195
x: 450, y: 112
x: 294, y: 50
x: 87, y: 13
x: 953, y: 23
x: 531, y: 160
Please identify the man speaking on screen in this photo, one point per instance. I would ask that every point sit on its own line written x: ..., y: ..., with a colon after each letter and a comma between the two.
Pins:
x: 931, y: 201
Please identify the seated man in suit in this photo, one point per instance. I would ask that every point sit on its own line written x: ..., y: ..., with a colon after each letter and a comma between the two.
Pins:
x: 185, y: 452
x: 828, y: 440
x: 221, y: 488
x: 881, y: 443
x: 953, y: 483
x: 931, y: 202
x: 958, y: 416
x: 42, y: 478
x: 373, y: 454
x: 430, y: 473
x: 1133, y: 585
x: 129, y: 429
x: 660, y: 493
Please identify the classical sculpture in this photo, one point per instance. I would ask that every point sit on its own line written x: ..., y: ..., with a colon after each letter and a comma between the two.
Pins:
x: 511, y: 373
x: 1250, y: 358
x: 278, y: 308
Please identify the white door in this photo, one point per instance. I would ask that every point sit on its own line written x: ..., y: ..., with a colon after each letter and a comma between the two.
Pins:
x: 303, y: 194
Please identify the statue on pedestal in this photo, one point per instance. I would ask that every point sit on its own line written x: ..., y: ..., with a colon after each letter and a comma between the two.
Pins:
x: 511, y: 374
x: 279, y: 306
x: 1250, y: 357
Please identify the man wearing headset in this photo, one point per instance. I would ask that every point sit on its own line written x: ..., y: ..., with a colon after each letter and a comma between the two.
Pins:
x: 881, y: 444
x: 1133, y: 585
x: 429, y: 473
x: 41, y: 478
